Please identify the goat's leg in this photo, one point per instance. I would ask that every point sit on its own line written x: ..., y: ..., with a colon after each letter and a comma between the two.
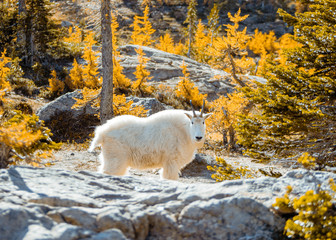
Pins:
x: 170, y: 171
x: 113, y: 158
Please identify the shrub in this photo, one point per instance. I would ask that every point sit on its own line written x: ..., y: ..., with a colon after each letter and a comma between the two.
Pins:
x: 25, y: 138
x: 225, y: 171
x: 186, y: 90
x: 316, y: 215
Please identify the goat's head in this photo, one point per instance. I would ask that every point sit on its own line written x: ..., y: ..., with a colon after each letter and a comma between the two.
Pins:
x: 197, y: 124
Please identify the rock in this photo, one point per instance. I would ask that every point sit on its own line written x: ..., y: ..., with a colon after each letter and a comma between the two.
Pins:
x: 150, y: 104
x: 64, y: 103
x: 165, y: 69
x: 98, y: 206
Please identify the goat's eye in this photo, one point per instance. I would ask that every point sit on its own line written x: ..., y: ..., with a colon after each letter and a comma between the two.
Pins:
x: 192, y: 122
x: 203, y: 122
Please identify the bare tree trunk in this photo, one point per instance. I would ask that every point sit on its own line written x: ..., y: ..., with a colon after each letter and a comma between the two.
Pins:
x: 106, y: 102
x: 21, y: 9
x: 232, y: 140
x: 189, y: 43
x: 4, y: 155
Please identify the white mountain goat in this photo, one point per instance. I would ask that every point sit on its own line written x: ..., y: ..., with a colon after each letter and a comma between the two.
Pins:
x: 167, y: 139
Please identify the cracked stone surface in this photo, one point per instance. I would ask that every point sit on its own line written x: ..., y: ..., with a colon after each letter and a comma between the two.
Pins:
x: 46, y: 203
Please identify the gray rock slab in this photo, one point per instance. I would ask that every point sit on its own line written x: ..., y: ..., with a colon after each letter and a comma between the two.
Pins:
x: 46, y: 203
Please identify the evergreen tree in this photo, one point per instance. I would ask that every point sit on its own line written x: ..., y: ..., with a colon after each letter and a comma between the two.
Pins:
x: 213, y: 22
x: 296, y: 110
x: 192, y: 23
x: 142, y: 29
x: 40, y: 32
x: 8, y: 18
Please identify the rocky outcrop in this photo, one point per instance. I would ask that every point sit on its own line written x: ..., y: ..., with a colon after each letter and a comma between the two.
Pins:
x: 64, y: 103
x: 165, y: 68
x: 44, y: 203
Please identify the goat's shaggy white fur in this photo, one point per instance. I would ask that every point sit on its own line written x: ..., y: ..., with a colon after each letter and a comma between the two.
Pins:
x: 167, y: 140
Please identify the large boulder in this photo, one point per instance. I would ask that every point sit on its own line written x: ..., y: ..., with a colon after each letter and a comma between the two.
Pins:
x: 65, y: 103
x: 165, y: 68
x: 45, y: 203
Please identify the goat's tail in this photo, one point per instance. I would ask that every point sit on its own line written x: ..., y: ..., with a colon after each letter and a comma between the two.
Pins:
x: 96, y: 141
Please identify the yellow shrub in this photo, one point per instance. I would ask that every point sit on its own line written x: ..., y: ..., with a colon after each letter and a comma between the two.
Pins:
x: 187, y: 89
x: 56, y: 86
x: 316, y: 218
x: 142, y: 29
x: 140, y: 86
x: 28, y: 139
x: 75, y: 80
x: 4, y: 71
x: 225, y: 114
x: 225, y: 171
x: 74, y: 41
x: 166, y: 43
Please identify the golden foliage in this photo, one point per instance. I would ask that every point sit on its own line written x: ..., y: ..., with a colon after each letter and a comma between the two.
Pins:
x: 225, y: 112
x: 74, y: 41
x: 140, y: 86
x: 229, y: 52
x: 56, y: 86
x: 307, y: 161
x: 119, y: 79
x: 225, y: 171
x: 28, y: 138
x: 4, y: 71
x: 75, y: 80
x: 201, y: 43
x: 263, y: 43
x: 166, y: 43
x: 85, y: 75
x: 90, y: 70
x: 142, y: 29
x: 122, y: 107
x: 187, y: 90
x: 315, y: 217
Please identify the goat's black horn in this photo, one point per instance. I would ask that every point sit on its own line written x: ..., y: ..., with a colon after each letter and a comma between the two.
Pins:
x: 192, y: 107
x: 202, y: 111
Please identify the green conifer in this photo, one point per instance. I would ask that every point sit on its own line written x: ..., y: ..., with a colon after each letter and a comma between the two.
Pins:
x: 192, y: 23
x: 296, y: 110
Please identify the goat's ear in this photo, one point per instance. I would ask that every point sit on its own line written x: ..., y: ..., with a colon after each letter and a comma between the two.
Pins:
x: 207, y: 115
x: 188, y: 115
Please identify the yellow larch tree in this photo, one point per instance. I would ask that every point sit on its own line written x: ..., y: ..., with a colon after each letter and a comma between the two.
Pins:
x: 56, y: 86
x: 120, y: 81
x: 4, y: 71
x: 74, y: 41
x: 264, y: 45
x: 229, y: 52
x: 140, y: 85
x: 85, y: 75
x: 90, y: 70
x: 201, y: 44
x: 187, y: 90
x: 221, y: 124
x: 142, y: 29
x: 166, y: 43
x: 75, y: 80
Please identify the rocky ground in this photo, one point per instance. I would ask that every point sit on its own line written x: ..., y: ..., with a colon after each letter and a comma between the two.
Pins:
x: 46, y: 203
x: 77, y: 159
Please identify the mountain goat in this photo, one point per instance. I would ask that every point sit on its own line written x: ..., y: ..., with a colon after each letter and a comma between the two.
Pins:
x: 167, y: 140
